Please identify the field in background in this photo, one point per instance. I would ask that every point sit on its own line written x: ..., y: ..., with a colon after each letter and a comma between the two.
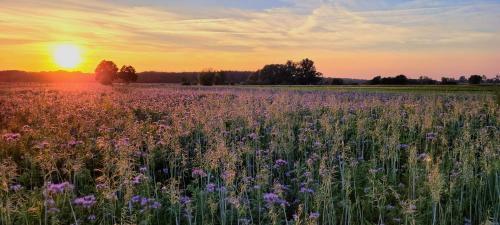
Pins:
x: 171, y: 154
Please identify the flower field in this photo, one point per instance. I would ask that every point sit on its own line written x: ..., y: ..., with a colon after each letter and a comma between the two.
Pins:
x: 231, y: 156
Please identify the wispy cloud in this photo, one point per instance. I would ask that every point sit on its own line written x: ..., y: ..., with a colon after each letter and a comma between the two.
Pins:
x: 235, y: 27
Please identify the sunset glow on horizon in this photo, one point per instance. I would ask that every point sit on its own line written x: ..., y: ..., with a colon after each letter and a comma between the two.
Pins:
x: 357, y: 39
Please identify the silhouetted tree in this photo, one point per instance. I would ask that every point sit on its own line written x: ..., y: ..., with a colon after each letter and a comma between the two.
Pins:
x: 448, y: 81
x: 337, y: 81
x: 206, y: 78
x: 220, y: 78
x: 307, y: 73
x: 303, y: 72
x: 475, y: 79
x: 273, y: 74
x: 127, y: 74
x: 376, y: 80
x: 106, y: 72
x: 462, y: 79
x: 426, y: 80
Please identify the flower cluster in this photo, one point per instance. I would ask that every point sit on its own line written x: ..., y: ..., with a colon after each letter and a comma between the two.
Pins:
x: 272, y: 198
x: 198, y: 173
x: 85, y: 201
x: 10, y: 137
x: 145, y: 203
x: 59, y: 188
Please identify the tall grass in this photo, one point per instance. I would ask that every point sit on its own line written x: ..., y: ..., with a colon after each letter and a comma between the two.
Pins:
x: 153, y: 155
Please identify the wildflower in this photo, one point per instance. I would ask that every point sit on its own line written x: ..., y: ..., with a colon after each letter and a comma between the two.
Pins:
x: 184, y: 200
x: 145, y: 203
x: 138, y: 179
x: 165, y: 170
x: 252, y: 136
x: 85, y: 201
x: 279, y: 163
x: 135, y: 198
x: 306, y: 190
x: 100, y: 186
x: 10, y: 137
x: 59, y: 188
x: 92, y: 217
x: 210, y: 187
x: 155, y: 205
x: 198, y: 173
x: 16, y: 187
x: 245, y: 221
x: 431, y: 136
x: 272, y: 198
x: 143, y: 169
x: 53, y: 210
x: 314, y: 215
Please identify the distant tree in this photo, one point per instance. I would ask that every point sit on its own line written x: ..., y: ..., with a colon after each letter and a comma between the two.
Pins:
x: 448, y: 81
x: 337, y: 81
x: 401, y: 79
x: 303, y: 72
x: 307, y: 73
x: 185, y: 81
x: 475, y: 79
x: 273, y: 74
x: 376, y: 80
x: 426, y: 80
x: 220, y: 78
x: 106, y: 72
x: 127, y: 74
x: 206, y: 78
x: 462, y: 79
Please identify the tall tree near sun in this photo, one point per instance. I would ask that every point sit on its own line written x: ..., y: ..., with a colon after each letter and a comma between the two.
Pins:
x: 106, y: 72
x: 127, y: 74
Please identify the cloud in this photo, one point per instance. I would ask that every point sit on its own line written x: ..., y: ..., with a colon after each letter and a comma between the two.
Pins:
x: 288, y: 26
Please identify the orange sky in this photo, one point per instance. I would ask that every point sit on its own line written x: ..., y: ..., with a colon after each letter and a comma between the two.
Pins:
x: 344, y: 39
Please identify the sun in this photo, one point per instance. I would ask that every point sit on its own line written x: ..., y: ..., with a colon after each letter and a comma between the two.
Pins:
x: 67, y: 56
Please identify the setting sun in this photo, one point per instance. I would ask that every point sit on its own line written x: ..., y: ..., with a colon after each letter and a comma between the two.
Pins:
x: 67, y: 56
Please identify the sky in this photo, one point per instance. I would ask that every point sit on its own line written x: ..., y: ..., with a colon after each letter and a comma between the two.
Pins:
x: 346, y: 38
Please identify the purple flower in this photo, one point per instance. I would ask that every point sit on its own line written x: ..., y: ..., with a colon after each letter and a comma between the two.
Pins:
x: 100, y: 186
x: 92, y: 217
x: 53, y: 210
x: 85, y: 201
x: 252, y: 136
x: 135, y: 198
x: 165, y: 170
x: 306, y: 190
x: 59, y: 188
x: 155, y: 205
x: 272, y: 198
x: 11, y: 137
x: 16, y: 187
x: 143, y: 169
x: 145, y: 203
x: 184, y: 200
x: 210, y: 187
x: 314, y: 215
x: 137, y: 179
x: 431, y: 136
x: 198, y: 173
x: 279, y: 163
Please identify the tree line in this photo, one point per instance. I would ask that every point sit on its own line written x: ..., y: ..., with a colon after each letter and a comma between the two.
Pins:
x: 290, y: 73
x: 423, y: 80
